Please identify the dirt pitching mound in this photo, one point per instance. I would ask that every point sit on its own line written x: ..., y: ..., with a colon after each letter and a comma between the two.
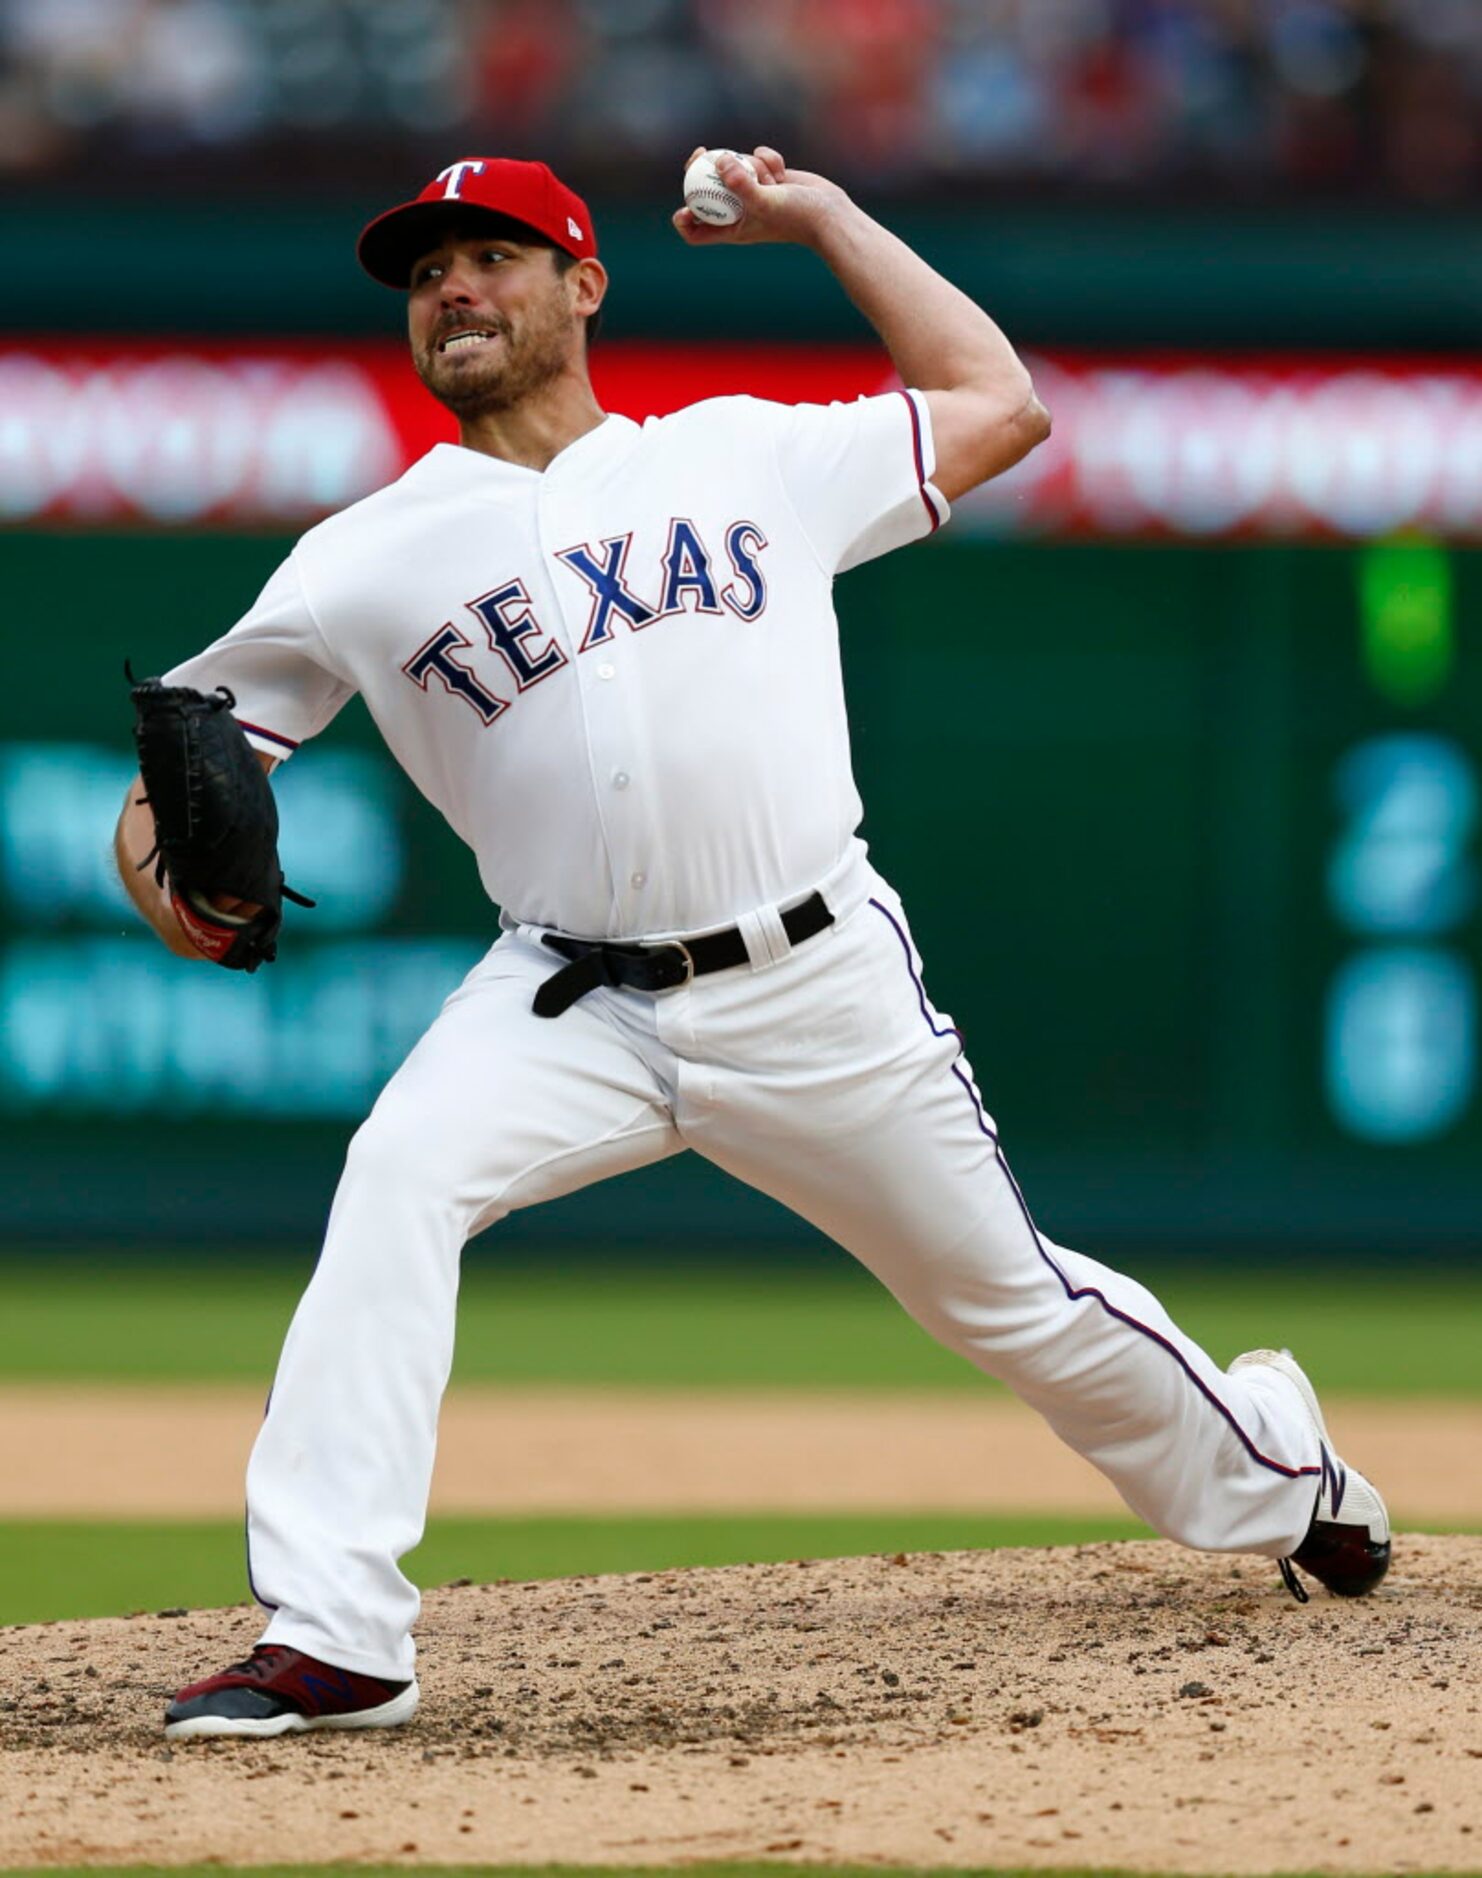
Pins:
x: 1122, y: 1705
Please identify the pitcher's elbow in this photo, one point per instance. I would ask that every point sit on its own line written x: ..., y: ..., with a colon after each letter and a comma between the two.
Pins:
x: 1035, y: 421
x: 1016, y: 435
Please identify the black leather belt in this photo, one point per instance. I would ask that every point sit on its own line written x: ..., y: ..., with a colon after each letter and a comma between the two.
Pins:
x: 659, y: 967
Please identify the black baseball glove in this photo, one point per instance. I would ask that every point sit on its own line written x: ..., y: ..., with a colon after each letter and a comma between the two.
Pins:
x: 215, y: 821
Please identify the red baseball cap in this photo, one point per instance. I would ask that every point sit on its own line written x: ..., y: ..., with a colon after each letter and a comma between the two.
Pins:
x: 522, y: 192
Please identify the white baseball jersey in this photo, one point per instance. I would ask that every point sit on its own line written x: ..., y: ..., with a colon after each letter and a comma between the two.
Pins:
x: 618, y: 678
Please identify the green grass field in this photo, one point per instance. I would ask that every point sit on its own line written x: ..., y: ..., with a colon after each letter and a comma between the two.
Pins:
x: 75, y: 1568
x: 612, y: 1325
x: 67, y: 1322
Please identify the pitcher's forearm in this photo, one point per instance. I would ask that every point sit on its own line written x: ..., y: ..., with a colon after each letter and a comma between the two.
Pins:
x: 938, y: 339
x: 132, y: 841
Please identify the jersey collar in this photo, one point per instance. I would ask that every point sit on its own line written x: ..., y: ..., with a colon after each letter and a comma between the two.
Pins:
x: 453, y: 463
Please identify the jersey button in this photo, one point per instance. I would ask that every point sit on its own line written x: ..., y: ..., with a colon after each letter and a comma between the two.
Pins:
x: 640, y: 879
x: 607, y: 671
x: 620, y: 779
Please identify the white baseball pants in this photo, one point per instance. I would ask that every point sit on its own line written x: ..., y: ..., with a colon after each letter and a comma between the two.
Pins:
x: 825, y: 1078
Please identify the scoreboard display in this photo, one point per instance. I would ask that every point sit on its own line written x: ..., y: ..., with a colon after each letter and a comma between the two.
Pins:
x: 1191, y: 833
x: 1188, y: 835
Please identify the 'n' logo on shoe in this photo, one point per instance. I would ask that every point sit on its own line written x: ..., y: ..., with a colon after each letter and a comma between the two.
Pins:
x: 325, y: 1694
x: 1333, y: 1482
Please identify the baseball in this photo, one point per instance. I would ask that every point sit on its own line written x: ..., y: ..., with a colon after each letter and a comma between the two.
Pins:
x: 706, y: 196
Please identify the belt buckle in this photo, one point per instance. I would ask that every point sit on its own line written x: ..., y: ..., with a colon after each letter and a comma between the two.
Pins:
x: 678, y: 945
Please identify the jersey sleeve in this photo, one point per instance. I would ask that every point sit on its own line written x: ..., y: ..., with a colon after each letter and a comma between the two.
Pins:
x: 859, y: 475
x: 275, y: 664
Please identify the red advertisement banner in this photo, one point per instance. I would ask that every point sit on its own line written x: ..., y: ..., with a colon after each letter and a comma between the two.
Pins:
x: 276, y: 435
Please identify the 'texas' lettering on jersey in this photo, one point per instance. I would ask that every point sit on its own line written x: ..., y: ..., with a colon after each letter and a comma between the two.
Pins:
x: 688, y: 584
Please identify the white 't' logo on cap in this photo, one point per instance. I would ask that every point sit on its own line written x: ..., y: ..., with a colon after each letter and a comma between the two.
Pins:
x: 453, y: 176
x: 572, y: 229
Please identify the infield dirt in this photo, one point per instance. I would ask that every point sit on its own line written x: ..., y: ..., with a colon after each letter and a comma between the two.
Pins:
x: 128, y: 1452
x: 1128, y: 1705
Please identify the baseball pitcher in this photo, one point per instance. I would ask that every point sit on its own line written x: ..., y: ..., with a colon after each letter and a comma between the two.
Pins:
x: 607, y: 652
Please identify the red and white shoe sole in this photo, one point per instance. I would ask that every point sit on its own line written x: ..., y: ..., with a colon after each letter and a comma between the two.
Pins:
x: 401, y: 1708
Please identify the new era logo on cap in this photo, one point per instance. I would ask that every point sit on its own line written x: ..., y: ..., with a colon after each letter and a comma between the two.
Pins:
x: 514, y: 191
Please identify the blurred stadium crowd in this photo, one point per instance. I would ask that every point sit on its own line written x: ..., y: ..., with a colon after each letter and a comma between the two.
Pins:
x: 1376, y: 97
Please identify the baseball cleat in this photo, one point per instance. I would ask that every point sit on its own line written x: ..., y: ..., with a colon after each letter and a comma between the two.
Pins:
x: 1348, y: 1542
x: 279, y: 1691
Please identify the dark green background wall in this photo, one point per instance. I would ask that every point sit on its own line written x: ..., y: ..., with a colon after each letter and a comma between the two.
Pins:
x: 1220, y: 278
x: 1106, y: 780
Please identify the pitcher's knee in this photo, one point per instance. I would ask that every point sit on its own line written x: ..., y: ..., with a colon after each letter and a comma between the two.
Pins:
x: 394, y: 1165
x: 1013, y: 1338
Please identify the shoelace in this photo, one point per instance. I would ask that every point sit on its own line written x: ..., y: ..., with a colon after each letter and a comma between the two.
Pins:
x: 261, y: 1663
x: 1292, y: 1582
x: 1284, y: 1565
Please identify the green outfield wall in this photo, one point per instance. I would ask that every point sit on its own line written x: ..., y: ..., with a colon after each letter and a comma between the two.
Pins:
x: 1188, y: 836
x: 1330, y: 276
